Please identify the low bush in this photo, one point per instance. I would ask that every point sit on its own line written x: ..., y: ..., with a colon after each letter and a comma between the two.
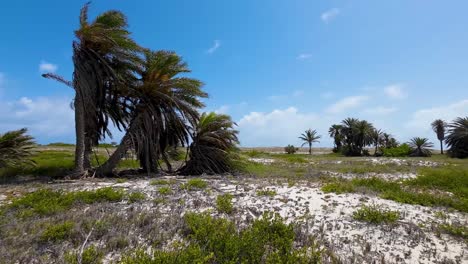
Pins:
x: 224, y: 203
x: 194, y: 184
x: 455, y: 230
x: 290, y: 149
x: 403, y: 150
x: 165, y: 190
x: 266, y: 192
x: 91, y: 255
x: 57, y: 232
x: 373, y: 214
x: 136, y: 197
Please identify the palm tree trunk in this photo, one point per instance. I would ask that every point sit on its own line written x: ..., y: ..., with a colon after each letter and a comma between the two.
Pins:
x: 107, y: 168
x: 310, y: 148
x: 441, y: 148
x: 80, y: 134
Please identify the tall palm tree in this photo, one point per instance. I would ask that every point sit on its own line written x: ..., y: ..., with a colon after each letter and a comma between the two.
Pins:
x: 420, y: 147
x: 335, y: 132
x: 16, y: 148
x: 166, y: 106
x: 457, y: 138
x: 105, y: 60
x: 310, y: 136
x: 357, y: 135
x: 377, y: 139
x: 438, y: 126
x: 214, y: 138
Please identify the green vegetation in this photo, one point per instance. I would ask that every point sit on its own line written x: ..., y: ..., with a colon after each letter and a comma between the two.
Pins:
x: 136, y: 197
x: 58, y: 232
x: 48, y: 202
x: 290, y: 149
x: 423, y: 190
x: 457, y: 138
x: 403, y: 150
x: 212, y: 240
x: 266, y: 192
x: 16, y: 148
x: 420, y: 147
x: 373, y: 214
x: 161, y: 182
x: 310, y: 136
x: 455, y: 230
x: 194, y: 184
x: 224, y: 203
x: 165, y: 190
x: 91, y: 255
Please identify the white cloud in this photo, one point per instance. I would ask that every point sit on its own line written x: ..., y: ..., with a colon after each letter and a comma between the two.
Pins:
x: 422, y: 119
x: 304, y: 56
x: 222, y: 110
x: 45, y: 67
x: 216, y: 45
x: 46, y: 117
x: 380, y: 110
x: 277, y: 128
x: 395, y: 91
x: 346, y: 104
x: 329, y: 15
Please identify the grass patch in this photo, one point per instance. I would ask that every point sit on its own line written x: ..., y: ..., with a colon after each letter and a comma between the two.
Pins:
x: 57, y: 232
x: 136, y: 197
x: 48, y: 202
x: 217, y: 240
x: 194, y: 184
x: 91, y: 255
x: 266, y: 192
x: 224, y: 203
x: 455, y: 230
x: 165, y: 190
x: 373, y: 214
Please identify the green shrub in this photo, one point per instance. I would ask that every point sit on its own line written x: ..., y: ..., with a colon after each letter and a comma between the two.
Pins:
x: 455, y: 230
x: 224, y: 203
x: 290, y: 149
x: 194, y: 184
x: 255, y: 153
x: 266, y: 192
x: 48, y: 202
x: 160, y: 182
x: 90, y: 255
x: 57, y: 232
x: 403, y: 150
x: 373, y: 214
x: 165, y: 190
x: 136, y: 197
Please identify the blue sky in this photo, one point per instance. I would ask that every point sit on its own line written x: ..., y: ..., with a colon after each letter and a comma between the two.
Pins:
x: 278, y: 67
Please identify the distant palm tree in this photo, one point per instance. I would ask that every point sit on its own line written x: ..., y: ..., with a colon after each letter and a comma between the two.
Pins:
x: 438, y: 126
x: 335, y: 132
x: 214, y: 139
x: 310, y: 136
x: 16, y: 148
x: 377, y: 139
x: 420, y: 147
x: 457, y: 138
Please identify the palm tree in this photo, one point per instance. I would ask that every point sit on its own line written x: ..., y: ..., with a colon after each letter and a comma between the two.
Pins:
x: 377, y: 139
x: 310, y: 136
x: 357, y: 135
x: 165, y: 108
x: 457, y: 138
x: 214, y: 139
x: 438, y: 126
x: 420, y: 147
x: 16, y: 148
x: 335, y: 132
x: 105, y: 59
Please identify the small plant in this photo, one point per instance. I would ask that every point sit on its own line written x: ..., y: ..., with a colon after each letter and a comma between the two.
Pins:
x: 91, y: 255
x: 224, y: 203
x: 455, y: 230
x: 373, y: 214
x: 57, y: 232
x: 160, y: 182
x: 290, y: 149
x: 266, y: 192
x: 194, y: 184
x: 136, y: 197
x: 165, y: 190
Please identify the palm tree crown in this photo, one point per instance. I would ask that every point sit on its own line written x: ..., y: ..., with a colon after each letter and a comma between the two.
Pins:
x: 310, y: 136
x: 420, y: 147
x: 16, y: 148
x: 438, y: 126
x: 457, y: 138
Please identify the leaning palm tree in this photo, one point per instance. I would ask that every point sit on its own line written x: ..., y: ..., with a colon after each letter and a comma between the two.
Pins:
x: 16, y: 148
x: 105, y: 60
x: 438, y: 126
x: 166, y: 106
x: 310, y: 136
x: 376, y: 136
x: 211, y: 151
x: 457, y: 138
x: 420, y: 147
